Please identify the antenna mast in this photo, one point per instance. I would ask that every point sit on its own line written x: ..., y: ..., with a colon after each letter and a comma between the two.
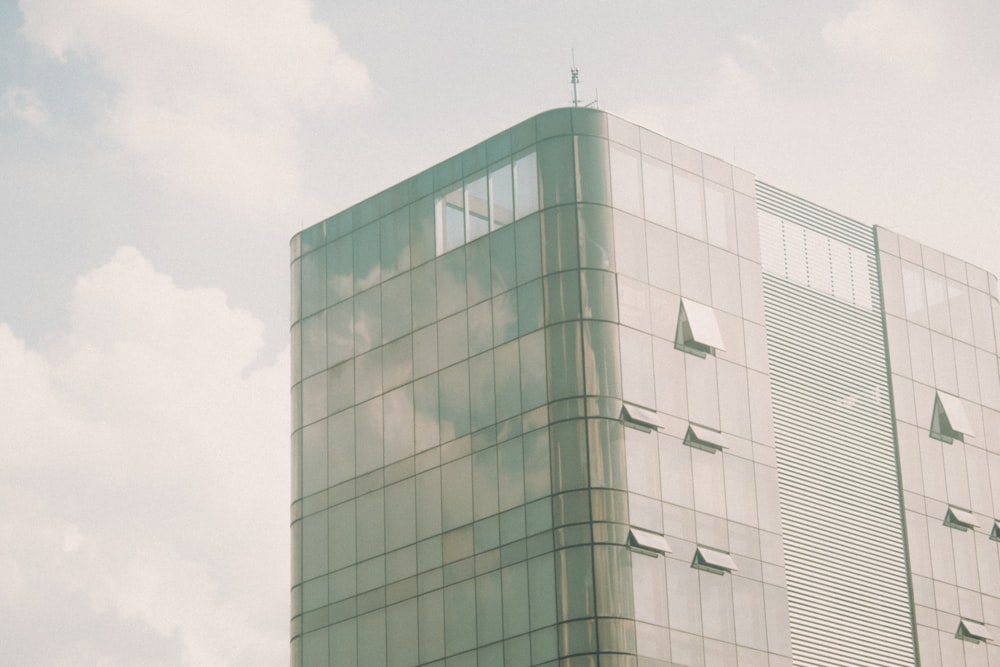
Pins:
x: 574, y: 78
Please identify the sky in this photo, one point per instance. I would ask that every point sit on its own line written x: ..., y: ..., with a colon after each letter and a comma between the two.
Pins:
x: 155, y: 159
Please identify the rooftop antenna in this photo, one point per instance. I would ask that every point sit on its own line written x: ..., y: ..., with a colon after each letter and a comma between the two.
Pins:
x: 574, y: 78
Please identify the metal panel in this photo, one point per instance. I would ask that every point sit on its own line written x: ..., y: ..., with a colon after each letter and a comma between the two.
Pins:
x: 848, y: 589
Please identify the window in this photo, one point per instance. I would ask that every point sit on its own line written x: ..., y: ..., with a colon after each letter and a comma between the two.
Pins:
x: 949, y: 422
x: 995, y: 531
x: 652, y: 544
x: 641, y: 418
x: 713, y: 560
x: 703, y: 438
x: 698, y: 329
x: 959, y: 518
x: 973, y: 631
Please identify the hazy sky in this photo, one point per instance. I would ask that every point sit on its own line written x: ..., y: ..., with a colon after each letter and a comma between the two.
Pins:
x: 155, y: 157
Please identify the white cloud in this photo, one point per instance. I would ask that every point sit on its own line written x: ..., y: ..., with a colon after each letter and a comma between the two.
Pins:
x: 906, y: 34
x: 149, y: 470
x: 209, y: 94
x: 25, y: 104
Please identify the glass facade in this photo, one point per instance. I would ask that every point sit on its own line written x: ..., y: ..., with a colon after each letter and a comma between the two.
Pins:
x: 533, y: 424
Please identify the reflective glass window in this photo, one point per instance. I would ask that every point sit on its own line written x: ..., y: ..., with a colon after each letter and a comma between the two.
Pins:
x: 454, y: 401
x: 482, y: 391
x: 593, y: 169
x: 559, y: 239
x: 626, y: 179
x: 555, y: 171
x: 367, y: 257
x: 422, y: 242
x: 661, y: 248
x: 367, y: 320
x: 428, y: 503
x: 313, y: 331
x: 450, y: 216
x: 343, y: 536
x: 423, y: 283
x: 658, y: 192
x: 489, y: 608
x: 430, y: 638
x: 720, y: 215
x: 690, y: 201
x: 637, y: 367
x: 477, y: 207
x: 314, y: 458
x: 565, y: 373
x: 537, y: 483
x: 501, y: 190
x: 396, y: 308
x: 398, y: 432
x: 371, y: 639
x: 371, y: 525
x: 649, y: 588
x: 313, y: 281
x: 400, y: 514
x: 527, y: 237
x: 514, y: 584
x: 451, y: 284
x: 937, y: 302
x: 477, y: 263
x: 340, y: 438
x: 401, y: 634
x: 525, y: 185
x: 630, y: 246
x: 598, y: 295
x: 601, y: 358
x: 453, y: 339
x: 913, y: 293
x: 395, y: 242
x: 456, y: 493
x: 368, y: 435
x: 533, y: 375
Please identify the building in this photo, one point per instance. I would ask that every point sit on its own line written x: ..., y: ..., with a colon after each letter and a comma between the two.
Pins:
x: 582, y: 395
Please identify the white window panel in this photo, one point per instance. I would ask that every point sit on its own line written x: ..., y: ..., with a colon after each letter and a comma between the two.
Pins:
x: 641, y: 416
x: 973, y: 631
x: 954, y: 411
x: 957, y: 517
x: 703, y: 438
x: 698, y: 328
x: 649, y: 542
x: 713, y: 560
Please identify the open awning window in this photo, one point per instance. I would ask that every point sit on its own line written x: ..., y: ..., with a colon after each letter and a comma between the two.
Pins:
x: 651, y: 543
x: 950, y: 421
x: 698, y: 329
x: 642, y: 417
x: 703, y: 438
x: 957, y: 517
x: 713, y: 560
x: 973, y: 631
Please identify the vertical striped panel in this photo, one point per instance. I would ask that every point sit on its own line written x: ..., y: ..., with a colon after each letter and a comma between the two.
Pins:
x: 839, y: 489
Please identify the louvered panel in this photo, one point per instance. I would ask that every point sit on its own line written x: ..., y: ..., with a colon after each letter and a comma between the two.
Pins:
x: 848, y: 591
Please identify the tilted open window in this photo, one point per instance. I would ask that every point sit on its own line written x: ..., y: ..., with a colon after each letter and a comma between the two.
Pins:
x: 641, y: 418
x: 973, y: 631
x: 713, y: 560
x: 697, y: 329
x: 956, y: 517
x: 703, y: 438
x: 950, y: 422
x: 651, y: 544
